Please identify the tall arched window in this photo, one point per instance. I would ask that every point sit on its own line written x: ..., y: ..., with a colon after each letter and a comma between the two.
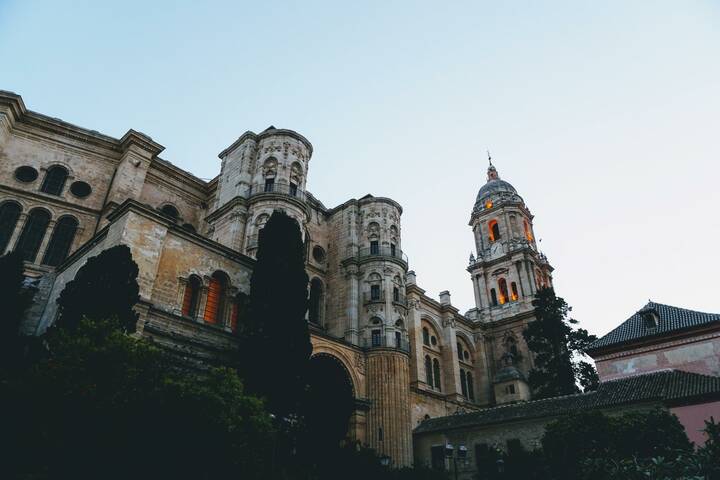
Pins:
x: 494, y: 230
x: 32, y: 234
x: 9, y: 215
x: 493, y: 297
x: 428, y: 371
x: 502, y: 286
x: 191, y: 298
x: 61, y: 241
x: 316, y: 301
x: 54, y: 181
x: 463, y: 385
x: 215, y: 305
x: 470, y: 386
x: 239, y: 307
x: 436, y: 374
x: 513, y: 291
x: 426, y: 336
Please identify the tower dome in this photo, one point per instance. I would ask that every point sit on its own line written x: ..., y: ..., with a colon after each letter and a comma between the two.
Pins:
x: 495, y: 187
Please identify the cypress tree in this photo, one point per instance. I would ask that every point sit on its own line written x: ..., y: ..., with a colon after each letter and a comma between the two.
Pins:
x: 105, y: 287
x: 556, y: 346
x: 275, y: 343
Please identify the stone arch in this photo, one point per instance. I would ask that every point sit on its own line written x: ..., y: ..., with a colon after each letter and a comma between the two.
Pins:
x: 331, y: 404
x: 347, y: 363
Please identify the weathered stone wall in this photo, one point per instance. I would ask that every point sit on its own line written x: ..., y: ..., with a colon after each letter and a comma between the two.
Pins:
x: 699, y: 353
x: 388, y: 423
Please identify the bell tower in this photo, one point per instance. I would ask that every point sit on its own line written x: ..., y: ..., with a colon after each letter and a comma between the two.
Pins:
x: 506, y: 270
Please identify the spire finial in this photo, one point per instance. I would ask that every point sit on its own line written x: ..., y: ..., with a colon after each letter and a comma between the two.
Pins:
x: 492, y: 171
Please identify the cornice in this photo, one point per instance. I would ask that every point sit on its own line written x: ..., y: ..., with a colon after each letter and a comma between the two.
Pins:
x: 141, y: 140
x: 266, y: 134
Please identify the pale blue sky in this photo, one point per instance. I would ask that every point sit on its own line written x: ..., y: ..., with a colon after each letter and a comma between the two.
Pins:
x: 604, y: 116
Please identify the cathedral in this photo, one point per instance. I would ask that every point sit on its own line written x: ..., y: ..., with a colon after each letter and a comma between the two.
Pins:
x: 67, y: 193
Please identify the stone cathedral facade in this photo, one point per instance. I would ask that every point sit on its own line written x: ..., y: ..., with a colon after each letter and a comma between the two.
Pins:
x: 67, y: 193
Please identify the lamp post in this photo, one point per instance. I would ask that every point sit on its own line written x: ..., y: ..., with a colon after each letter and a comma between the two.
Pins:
x: 461, y: 455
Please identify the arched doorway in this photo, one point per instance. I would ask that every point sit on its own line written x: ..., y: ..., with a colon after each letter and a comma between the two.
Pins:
x: 330, y: 402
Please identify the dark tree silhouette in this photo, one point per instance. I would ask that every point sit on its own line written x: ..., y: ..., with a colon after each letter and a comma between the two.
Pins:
x: 274, y: 340
x: 105, y: 287
x: 14, y: 299
x: 556, y: 345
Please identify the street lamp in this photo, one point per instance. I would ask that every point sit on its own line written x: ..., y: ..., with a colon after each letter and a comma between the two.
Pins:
x: 461, y: 454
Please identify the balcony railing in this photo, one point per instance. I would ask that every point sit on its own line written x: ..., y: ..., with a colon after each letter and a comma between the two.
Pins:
x: 383, y: 251
x: 368, y: 297
x: 276, y: 188
x: 385, y: 342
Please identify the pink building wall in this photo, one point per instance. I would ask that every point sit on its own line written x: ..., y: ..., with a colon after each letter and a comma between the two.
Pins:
x: 700, y: 354
x: 693, y: 417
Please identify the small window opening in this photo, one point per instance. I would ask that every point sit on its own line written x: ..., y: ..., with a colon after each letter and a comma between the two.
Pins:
x: 513, y: 291
x: 374, y: 247
x: 426, y: 336
x: 374, y: 292
x: 494, y: 230
x: 269, y: 184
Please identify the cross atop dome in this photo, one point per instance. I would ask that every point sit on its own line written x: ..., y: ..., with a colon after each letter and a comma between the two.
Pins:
x: 492, y: 173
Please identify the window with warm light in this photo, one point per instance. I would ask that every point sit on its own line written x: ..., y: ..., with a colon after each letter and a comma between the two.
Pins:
x: 513, y: 291
x: 488, y: 203
x: 502, y: 286
x: 493, y: 230
x: 528, y: 233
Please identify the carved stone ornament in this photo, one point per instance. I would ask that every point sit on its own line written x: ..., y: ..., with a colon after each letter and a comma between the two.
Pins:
x: 360, y: 363
x: 448, y: 322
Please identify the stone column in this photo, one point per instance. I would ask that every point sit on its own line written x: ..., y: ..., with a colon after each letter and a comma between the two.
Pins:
x: 476, y: 290
x: 351, y: 333
x: 482, y: 286
x: 389, y: 430
x: 46, y: 239
x: 16, y: 233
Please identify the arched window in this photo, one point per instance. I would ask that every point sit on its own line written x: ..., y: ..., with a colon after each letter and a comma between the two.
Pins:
x: 170, y: 211
x: 494, y: 230
x: 470, y: 386
x: 428, y: 371
x: 316, y: 301
x: 528, y: 232
x: 463, y: 385
x: 493, y: 297
x: 513, y: 291
x: 9, y: 215
x: 54, y: 180
x: 398, y: 339
x: 61, y: 241
x: 215, y: 306
x: 436, y: 374
x: 191, y: 298
x: 32, y: 234
x: 426, y: 336
x: 502, y: 287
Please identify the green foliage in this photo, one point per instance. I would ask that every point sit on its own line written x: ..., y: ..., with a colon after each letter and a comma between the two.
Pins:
x: 555, y: 345
x: 106, y: 286
x: 274, y: 341
x: 105, y: 405
x: 583, y: 446
x: 14, y: 300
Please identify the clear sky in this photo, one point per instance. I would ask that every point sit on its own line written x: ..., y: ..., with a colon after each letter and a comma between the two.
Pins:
x: 604, y: 115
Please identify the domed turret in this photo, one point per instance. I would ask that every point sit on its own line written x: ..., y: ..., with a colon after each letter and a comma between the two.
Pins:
x: 495, y: 189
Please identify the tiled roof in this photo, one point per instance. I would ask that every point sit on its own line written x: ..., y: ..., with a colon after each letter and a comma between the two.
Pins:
x: 670, y: 319
x: 665, y: 385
